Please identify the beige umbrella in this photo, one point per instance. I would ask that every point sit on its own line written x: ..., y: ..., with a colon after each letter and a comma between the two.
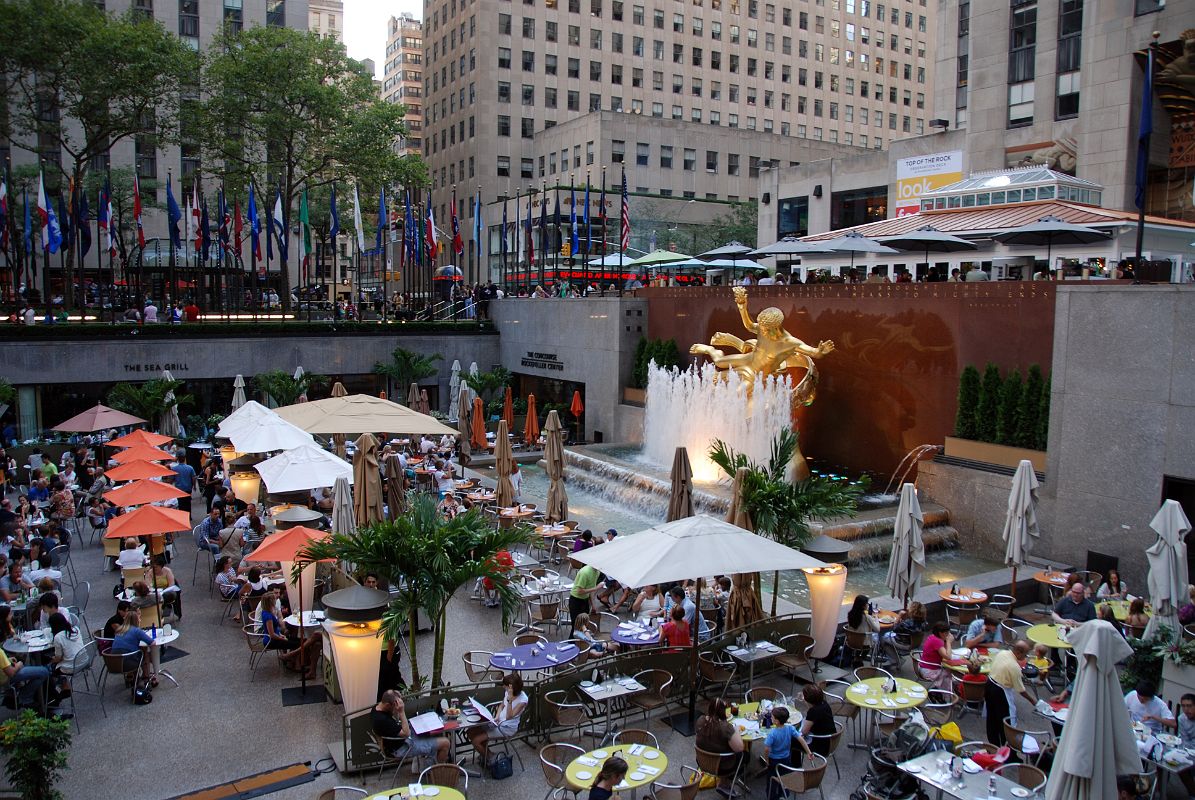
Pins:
x: 413, y: 397
x: 367, y: 481
x: 463, y: 423
x: 338, y: 439
x: 169, y: 424
x: 744, y: 607
x: 680, y: 503
x: 396, y: 487
x: 1167, y: 557
x: 424, y: 406
x: 299, y: 373
x: 343, y: 520
x: 1020, y: 523
x: 504, y: 462
x: 1098, y: 743
x: 238, y: 393
x: 360, y: 413
x: 557, y: 510
x: 907, y: 559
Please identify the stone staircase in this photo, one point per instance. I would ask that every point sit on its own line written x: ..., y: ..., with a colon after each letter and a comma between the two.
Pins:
x: 870, y: 531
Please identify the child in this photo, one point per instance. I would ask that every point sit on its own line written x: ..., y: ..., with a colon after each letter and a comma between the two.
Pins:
x: 613, y: 771
x: 587, y: 631
x: 779, y: 744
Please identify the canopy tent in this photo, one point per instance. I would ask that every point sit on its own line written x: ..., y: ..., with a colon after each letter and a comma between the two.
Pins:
x: 361, y: 413
x: 303, y: 468
x: 97, y: 418
x: 140, y: 437
x: 269, y: 434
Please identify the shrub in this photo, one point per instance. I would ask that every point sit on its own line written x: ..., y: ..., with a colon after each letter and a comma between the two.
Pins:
x: 968, y: 399
x: 639, y: 365
x: 1043, y: 416
x: 1008, y: 413
x: 988, y: 407
x: 1030, y: 409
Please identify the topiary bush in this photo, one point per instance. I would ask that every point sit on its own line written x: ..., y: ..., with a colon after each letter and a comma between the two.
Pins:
x: 968, y: 399
x: 1043, y: 417
x: 1030, y: 409
x: 988, y: 407
x: 1008, y: 414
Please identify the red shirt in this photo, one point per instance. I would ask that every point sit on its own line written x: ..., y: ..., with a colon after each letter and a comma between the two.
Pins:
x: 503, y: 559
x: 675, y: 634
x: 191, y: 312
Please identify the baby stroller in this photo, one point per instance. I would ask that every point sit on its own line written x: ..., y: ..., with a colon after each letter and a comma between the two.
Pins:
x: 883, y: 779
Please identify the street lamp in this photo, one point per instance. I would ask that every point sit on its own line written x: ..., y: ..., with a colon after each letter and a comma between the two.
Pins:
x: 353, y: 626
x: 826, y: 587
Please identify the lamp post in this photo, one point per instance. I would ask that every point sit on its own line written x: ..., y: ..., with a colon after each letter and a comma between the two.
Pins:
x: 246, y: 485
x: 826, y: 587
x: 353, y: 627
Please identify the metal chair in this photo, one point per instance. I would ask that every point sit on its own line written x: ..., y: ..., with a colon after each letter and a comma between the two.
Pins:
x: 377, y: 745
x: 199, y: 551
x: 833, y: 740
x: 530, y: 638
x: 970, y: 694
x: 842, y: 709
x: 114, y: 664
x: 960, y: 617
x: 1026, y: 775
x: 636, y: 736
x: 451, y: 775
x: 255, y: 637
x: 659, y: 684
x: 1012, y: 629
x: 82, y: 597
x: 477, y: 666
x: 566, y: 715
x: 545, y: 610
x: 797, y: 647
x: 940, y: 706
x: 858, y: 643
x: 758, y: 694
x: 1016, y: 741
x: 341, y: 792
x: 1000, y: 606
x: 714, y: 674
x: 798, y: 780
x: 867, y: 673
x: 81, y: 666
x: 60, y: 559
x: 723, y: 765
x: 553, y: 760
x: 687, y: 789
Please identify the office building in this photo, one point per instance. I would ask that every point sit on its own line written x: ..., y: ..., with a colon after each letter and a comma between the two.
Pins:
x: 402, y: 77
x: 326, y: 17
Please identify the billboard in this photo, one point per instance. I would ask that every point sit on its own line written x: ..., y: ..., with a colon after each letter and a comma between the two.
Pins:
x: 920, y: 174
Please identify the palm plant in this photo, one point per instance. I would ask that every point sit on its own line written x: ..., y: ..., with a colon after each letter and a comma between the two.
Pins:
x: 285, y: 388
x: 148, y: 400
x: 488, y: 385
x: 8, y: 393
x: 407, y: 367
x: 782, y: 509
x: 428, y: 558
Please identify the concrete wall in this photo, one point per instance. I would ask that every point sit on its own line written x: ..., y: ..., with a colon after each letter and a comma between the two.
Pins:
x: 592, y: 341
x: 977, y: 500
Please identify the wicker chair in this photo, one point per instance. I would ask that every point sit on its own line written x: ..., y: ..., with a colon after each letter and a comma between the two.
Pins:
x: 797, y: 647
x: 858, y: 643
x: 758, y: 694
x: 659, y: 685
x: 714, y: 674
x: 867, y: 673
x: 530, y: 638
x: 477, y: 666
x: 960, y: 617
x: 451, y: 775
x: 553, y: 760
x: 1016, y: 741
x: 687, y: 789
x: 971, y: 696
x: 940, y: 707
x: 565, y: 714
x: 834, y: 740
x: 636, y: 736
x: 968, y: 749
x: 1027, y: 775
x: 728, y: 765
x: 798, y: 780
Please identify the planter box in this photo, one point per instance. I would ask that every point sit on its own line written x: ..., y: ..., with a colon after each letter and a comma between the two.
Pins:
x: 1000, y: 454
x: 1177, y: 680
x: 634, y: 397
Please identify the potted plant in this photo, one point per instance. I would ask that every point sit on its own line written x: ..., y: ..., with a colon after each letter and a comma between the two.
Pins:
x: 1164, y: 659
x: 36, y: 749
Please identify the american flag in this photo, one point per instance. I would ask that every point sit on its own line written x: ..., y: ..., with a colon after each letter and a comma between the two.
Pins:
x: 625, y: 241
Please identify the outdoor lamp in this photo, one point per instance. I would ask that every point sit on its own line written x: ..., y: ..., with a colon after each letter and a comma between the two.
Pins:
x: 826, y: 587
x: 246, y: 486
x: 353, y: 626
x: 229, y: 453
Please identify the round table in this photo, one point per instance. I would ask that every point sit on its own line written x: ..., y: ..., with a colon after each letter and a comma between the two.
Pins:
x: 554, y: 531
x: 966, y: 596
x: 442, y: 792
x: 516, y: 513
x: 162, y: 639
x: 521, y: 658
x: 1047, y: 635
x: 742, y: 724
x: 1051, y: 578
x: 1120, y: 608
x: 583, y: 775
x: 26, y: 644
x: 985, y: 663
x: 887, y: 618
x: 482, y: 497
x: 870, y: 694
x: 311, y: 619
x: 634, y: 637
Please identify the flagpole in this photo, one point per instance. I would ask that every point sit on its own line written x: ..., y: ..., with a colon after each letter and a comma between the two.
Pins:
x: 1143, y: 150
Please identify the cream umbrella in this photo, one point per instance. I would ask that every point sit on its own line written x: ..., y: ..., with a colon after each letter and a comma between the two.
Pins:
x: 744, y: 607
x: 473, y: 371
x: 396, y: 488
x: 238, y: 392
x: 338, y: 439
x: 303, y: 468
x: 907, y: 559
x: 367, y: 480
x: 1098, y: 742
x: 246, y: 417
x: 454, y: 388
x: 504, y: 463
x: 269, y: 434
x: 169, y: 424
x: 361, y: 413
x: 680, y: 502
x: 343, y: 520
x: 463, y: 422
x: 1020, y: 523
x: 557, y: 510
x: 1168, y: 568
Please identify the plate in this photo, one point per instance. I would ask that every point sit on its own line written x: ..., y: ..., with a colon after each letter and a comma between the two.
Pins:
x: 913, y: 768
x: 651, y: 755
x: 637, y: 776
x: 584, y: 776
x: 431, y: 791
x: 1019, y: 791
x: 971, y: 767
x: 871, y: 701
x: 599, y: 754
x: 586, y: 684
x: 1169, y: 739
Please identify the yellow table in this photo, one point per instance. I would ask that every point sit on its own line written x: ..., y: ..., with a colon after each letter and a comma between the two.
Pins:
x: 442, y: 793
x: 909, y: 694
x: 1047, y: 635
x: 583, y: 775
x: 1120, y: 608
x: 745, y: 709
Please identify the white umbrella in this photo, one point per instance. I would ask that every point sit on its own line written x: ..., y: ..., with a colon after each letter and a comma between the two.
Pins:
x: 907, y: 561
x: 244, y: 418
x: 303, y: 468
x: 1098, y: 743
x: 1168, y: 568
x: 454, y: 388
x: 1020, y: 524
x: 169, y: 425
x: 344, y: 519
x: 610, y: 260
x: 269, y: 434
x: 238, y: 392
x: 298, y: 377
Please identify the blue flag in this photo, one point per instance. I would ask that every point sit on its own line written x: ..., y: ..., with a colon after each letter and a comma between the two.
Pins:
x: 254, y: 224
x: 67, y: 221
x: 504, y: 231
x: 83, y: 214
x: 381, y: 219
x: 576, y: 239
x: 335, y: 229
x: 1145, y: 127
x: 478, y: 227
x: 173, y: 215
x: 588, y: 222
x: 205, y: 234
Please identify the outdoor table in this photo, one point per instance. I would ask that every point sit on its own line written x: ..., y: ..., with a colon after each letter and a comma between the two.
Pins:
x: 160, y: 640
x: 608, y: 691
x: 632, y: 634
x: 1047, y: 635
x: 645, y: 764
x: 556, y: 531
x: 961, y: 664
x: 1058, y: 712
x: 129, y: 594
x: 1051, y: 578
x: 870, y: 695
x: 529, y: 590
x: 311, y: 619
x: 1120, y: 608
x: 887, y: 618
x: 31, y: 644
x: 516, y: 513
x: 933, y: 770
x: 523, y: 560
x: 966, y: 596
x: 442, y: 792
x: 750, y: 730
x: 482, y: 497
x: 528, y: 657
x: 760, y: 651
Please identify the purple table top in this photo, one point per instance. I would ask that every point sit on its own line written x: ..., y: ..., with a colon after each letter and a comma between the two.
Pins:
x: 632, y: 637
x: 520, y: 658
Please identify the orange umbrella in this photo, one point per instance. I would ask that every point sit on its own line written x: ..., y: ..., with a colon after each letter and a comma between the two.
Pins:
x: 286, y: 545
x: 508, y: 410
x: 576, y: 408
x: 139, y: 493
x: 478, y: 437
x: 142, y: 453
x: 531, y: 429
x: 140, y: 437
x: 138, y: 470
x: 148, y: 521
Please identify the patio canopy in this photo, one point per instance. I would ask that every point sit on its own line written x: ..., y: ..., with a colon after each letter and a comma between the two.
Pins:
x: 97, y: 418
x: 303, y: 468
x: 361, y: 413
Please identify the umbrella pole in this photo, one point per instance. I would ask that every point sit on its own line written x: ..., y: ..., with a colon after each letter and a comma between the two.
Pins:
x: 1012, y: 588
x: 302, y: 641
x: 685, y: 722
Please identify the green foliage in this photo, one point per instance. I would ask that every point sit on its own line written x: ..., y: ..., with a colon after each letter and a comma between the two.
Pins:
x: 1008, y: 412
x: 36, y: 749
x: 1150, y: 656
x: 121, y: 182
x: 148, y: 400
x: 488, y: 385
x: 1043, y: 417
x: 639, y: 364
x: 1029, y: 409
x: 739, y: 224
x: 426, y: 557
x: 8, y: 393
x: 407, y: 367
x: 968, y: 399
x: 284, y: 387
x: 664, y: 352
x: 988, y: 407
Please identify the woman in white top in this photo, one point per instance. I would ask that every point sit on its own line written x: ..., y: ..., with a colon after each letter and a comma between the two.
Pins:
x: 68, y: 642
x: 648, y: 605
x: 516, y: 480
x: 132, y: 556
x: 1113, y: 588
x: 508, y: 716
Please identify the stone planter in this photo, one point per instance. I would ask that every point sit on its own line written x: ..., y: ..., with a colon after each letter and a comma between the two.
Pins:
x: 1177, y: 680
x: 634, y: 397
x: 998, y: 454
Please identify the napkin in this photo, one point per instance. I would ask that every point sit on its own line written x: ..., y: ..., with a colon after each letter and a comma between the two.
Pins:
x: 648, y: 770
x: 587, y: 761
x: 643, y: 637
x: 859, y: 689
x: 504, y: 655
x: 415, y: 790
x: 635, y: 749
x: 566, y: 647
x: 553, y: 658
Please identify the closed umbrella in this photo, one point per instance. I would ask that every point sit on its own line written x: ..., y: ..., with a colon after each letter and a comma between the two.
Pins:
x: 1020, y: 524
x: 744, y: 607
x: 298, y: 377
x: 338, y: 439
x: 577, y: 408
x: 474, y: 371
x: 1098, y: 743
x: 344, y: 521
x: 504, y: 463
x: 367, y: 481
x: 238, y: 392
x: 531, y: 427
x: 680, y: 502
x: 396, y: 487
x: 907, y: 560
x: 1050, y: 230
x: 462, y: 425
x: 454, y: 387
x: 1168, y: 568
x: 557, y: 510
x: 97, y: 418
x: 424, y: 407
x: 302, y: 469
x: 169, y: 424
x: 478, y: 439
x: 413, y: 397
x: 508, y: 410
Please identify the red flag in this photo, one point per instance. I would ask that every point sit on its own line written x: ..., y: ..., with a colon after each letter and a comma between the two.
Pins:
x: 137, y: 212
x: 433, y: 248
x: 237, y: 226
x: 196, y: 216
x: 458, y: 246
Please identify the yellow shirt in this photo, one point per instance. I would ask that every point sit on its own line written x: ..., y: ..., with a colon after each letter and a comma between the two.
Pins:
x: 4, y: 665
x: 1006, y: 671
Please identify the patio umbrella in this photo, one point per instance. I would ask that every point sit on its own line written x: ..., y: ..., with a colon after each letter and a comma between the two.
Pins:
x: 142, y: 492
x: 463, y: 418
x: 474, y: 372
x: 1168, y: 568
x: 141, y: 453
x: 148, y: 520
x: 244, y: 418
x: 1050, y: 230
x: 789, y: 246
x: 454, y: 388
x: 294, y: 515
x: 557, y: 507
x: 424, y: 408
x: 729, y: 250
x: 531, y: 426
x: 338, y: 390
x: 356, y: 414
x: 504, y: 463
x: 302, y: 469
x: 907, y: 560
x: 659, y: 257
x: 367, y: 480
x: 298, y: 377
x: 744, y: 607
x: 97, y: 418
x: 577, y: 408
x: 680, y: 501
x: 139, y: 470
x: 238, y: 392
x: 1020, y: 524
x: 854, y: 242
x: 269, y: 434
x: 610, y: 260
x: 413, y: 397
x: 396, y: 495
x: 478, y: 439
x: 141, y: 438
x: 344, y: 521
x: 169, y: 424
x: 929, y: 239
x: 1098, y: 743
x: 508, y: 409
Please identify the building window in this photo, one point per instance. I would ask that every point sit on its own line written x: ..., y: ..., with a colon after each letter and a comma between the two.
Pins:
x: 528, y: 128
x: 503, y: 91
x: 526, y: 168
x: 858, y: 206
x: 276, y: 13
x: 793, y: 217
x: 504, y: 24
x: 234, y: 20
x: 528, y: 61
x: 1070, y: 35
x: 188, y: 21
x: 711, y: 161
x: 503, y: 58
x: 528, y: 94
x: 503, y: 125
x: 1067, y: 96
x: 503, y: 166
x: 642, y: 154
x: 1148, y: 6
x: 665, y: 156
x: 1022, y: 44
x: 1020, y: 104
x: 690, y: 163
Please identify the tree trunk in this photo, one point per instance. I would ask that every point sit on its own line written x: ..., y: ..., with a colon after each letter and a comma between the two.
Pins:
x: 412, y: 627
x: 438, y: 655
x: 775, y: 590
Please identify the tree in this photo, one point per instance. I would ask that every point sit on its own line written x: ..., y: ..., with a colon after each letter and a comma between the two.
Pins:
x: 1008, y: 413
x: 285, y: 388
x: 148, y: 400
x: 968, y: 400
x: 8, y: 393
x: 36, y: 749
x: 120, y: 181
x: 407, y: 367
x: 488, y: 384
x: 639, y: 364
x: 289, y: 108
x: 988, y: 405
x: 1030, y: 409
x: 1043, y: 417
x: 426, y: 557
x: 739, y: 224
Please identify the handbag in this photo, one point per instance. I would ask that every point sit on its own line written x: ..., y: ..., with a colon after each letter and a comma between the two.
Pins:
x: 501, y: 767
x: 142, y: 694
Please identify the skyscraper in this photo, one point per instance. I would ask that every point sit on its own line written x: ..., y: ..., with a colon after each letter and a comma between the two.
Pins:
x: 402, y: 76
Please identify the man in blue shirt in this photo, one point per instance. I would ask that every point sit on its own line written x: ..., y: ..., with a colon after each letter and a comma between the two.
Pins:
x: 184, y: 479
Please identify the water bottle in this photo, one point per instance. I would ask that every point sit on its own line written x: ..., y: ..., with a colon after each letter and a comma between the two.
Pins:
x: 991, y: 786
x: 153, y: 632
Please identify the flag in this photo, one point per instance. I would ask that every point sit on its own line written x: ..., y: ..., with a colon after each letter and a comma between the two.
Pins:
x: 28, y: 232
x: 588, y: 222
x: 137, y: 212
x: 1145, y: 127
x: 173, y: 214
x: 280, y: 226
x: 382, y: 217
x: 602, y: 212
x: 357, y: 220
x: 238, y: 228
x: 51, y: 233
x: 4, y: 218
x: 504, y: 231
x: 433, y: 249
x: 458, y: 246
x: 254, y: 226
x: 559, y: 238
x: 269, y: 247
x: 112, y: 233
x: 102, y: 219
x: 334, y: 230
x: 186, y: 221
x: 305, y: 225
x: 543, y: 225
x: 625, y: 234
x: 478, y: 227
x: 65, y: 218
x: 223, y: 221
x: 530, y: 237
x: 203, y: 237
x: 576, y: 239
x: 82, y: 217
x: 196, y: 214
x: 408, y: 228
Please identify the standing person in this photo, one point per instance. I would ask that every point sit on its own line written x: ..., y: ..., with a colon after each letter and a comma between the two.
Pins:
x: 184, y: 479
x: 580, y: 597
x: 1004, y: 683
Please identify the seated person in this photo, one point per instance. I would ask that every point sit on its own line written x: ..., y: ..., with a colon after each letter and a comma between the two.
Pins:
x: 449, y: 507
x: 41, y: 569
x: 39, y: 492
x: 227, y: 581
x: 28, y: 680
x: 981, y: 631
x: 612, y: 773
x: 48, y: 606
x: 1146, y: 707
x: 389, y: 721
x: 117, y: 619
x: 95, y: 514
x: 508, y: 716
x: 675, y: 632
x: 300, y: 654
x: 1105, y: 612
x: 68, y: 642
x: 587, y: 631
x: 715, y: 734
x: 127, y: 642
x: 445, y: 483
x: 1075, y: 608
x: 14, y: 582
x: 1136, y: 618
x: 1113, y: 588
x: 132, y: 555
x: 584, y: 541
